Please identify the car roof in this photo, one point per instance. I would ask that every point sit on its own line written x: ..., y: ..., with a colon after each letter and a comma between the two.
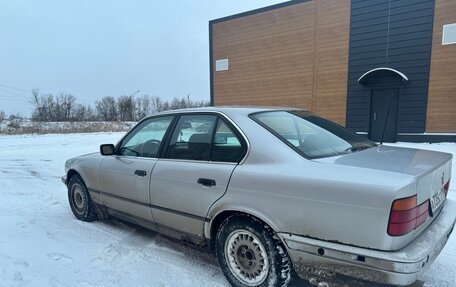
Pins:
x: 245, y: 110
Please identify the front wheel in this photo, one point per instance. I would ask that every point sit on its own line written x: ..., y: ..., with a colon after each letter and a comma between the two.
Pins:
x: 250, y: 254
x: 80, y: 202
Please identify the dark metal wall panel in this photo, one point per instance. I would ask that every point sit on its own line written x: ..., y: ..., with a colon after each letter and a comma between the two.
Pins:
x: 395, y: 34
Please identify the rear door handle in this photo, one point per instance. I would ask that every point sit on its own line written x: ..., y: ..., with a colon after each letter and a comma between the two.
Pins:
x: 206, y: 182
x: 140, y: 172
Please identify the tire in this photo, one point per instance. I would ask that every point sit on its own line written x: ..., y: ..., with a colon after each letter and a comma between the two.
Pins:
x: 80, y: 202
x: 250, y: 254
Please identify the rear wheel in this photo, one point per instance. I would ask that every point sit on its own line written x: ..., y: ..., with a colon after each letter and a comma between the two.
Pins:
x: 250, y: 254
x: 80, y: 202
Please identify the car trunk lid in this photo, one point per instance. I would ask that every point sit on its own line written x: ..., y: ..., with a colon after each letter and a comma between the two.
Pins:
x: 431, y: 169
x: 394, y: 159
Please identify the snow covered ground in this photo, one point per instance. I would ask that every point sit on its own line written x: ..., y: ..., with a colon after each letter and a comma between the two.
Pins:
x: 42, y: 244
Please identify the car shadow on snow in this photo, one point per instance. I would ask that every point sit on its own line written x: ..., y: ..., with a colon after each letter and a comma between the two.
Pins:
x: 140, y: 237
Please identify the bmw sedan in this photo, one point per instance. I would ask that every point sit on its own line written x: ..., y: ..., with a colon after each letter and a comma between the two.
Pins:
x: 273, y: 192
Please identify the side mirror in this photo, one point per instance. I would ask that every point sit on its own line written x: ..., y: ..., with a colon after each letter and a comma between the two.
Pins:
x: 107, y: 149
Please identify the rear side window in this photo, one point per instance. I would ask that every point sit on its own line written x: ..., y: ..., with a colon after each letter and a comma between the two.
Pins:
x: 310, y: 135
x: 205, y: 138
x: 192, y: 138
x: 226, y: 147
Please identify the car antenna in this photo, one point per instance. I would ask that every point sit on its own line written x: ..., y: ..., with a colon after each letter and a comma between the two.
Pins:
x: 386, y: 120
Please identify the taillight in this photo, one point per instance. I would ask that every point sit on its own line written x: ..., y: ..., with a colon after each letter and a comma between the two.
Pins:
x: 406, y: 216
x: 446, y: 187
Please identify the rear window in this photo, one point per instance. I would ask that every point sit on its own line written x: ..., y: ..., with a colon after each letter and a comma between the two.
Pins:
x: 310, y: 135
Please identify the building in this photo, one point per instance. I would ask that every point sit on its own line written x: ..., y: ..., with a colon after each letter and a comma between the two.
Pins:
x: 383, y: 68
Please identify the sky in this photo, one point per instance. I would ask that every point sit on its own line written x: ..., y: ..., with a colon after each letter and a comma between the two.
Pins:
x: 97, y: 48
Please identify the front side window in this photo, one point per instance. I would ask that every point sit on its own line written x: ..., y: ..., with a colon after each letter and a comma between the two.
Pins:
x: 310, y: 135
x: 146, y: 138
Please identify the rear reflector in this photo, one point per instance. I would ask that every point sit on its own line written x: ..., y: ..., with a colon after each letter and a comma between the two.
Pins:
x: 446, y: 187
x: 406, y: 216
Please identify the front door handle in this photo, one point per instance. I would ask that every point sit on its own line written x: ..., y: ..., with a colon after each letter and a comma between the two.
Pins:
x: 140, y: 172
x: 206, y: 182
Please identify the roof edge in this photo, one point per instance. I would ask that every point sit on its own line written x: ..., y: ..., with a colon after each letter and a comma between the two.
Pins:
x: 257, y: 11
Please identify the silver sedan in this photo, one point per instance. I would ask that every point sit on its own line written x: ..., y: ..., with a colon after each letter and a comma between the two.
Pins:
x: 272, y: 191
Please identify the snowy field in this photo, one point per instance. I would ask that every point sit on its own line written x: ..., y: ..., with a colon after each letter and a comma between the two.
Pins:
x: 42, y: 244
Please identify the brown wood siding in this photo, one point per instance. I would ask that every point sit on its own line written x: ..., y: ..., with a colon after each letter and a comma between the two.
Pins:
x: 291, y: 56
x: 441, y: 111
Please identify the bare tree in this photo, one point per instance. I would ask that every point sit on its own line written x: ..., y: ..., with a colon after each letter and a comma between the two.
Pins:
x: 106, y: 108
x: 78, y: 113
x: 200, y: 103
x: 90, y: 114
x: 143, y: 107
x: 126, y: 108
x: 64, y: 107
x: 66, y: 104
x: 2, y: 115
x: 36, y: 101
x: 157, y: 104
x: 50, y: 108
x: 182, y: 103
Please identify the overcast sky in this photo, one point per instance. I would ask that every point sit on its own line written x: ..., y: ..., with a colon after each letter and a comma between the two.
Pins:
x: 97, y: 48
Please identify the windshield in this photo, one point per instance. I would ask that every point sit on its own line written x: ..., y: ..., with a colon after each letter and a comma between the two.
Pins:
x: 310, y: 135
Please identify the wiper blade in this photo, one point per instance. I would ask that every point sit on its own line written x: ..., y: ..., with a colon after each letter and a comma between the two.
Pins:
x: 356, y: 148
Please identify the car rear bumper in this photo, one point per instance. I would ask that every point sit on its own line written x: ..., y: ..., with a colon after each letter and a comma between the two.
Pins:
x: 316, y: 258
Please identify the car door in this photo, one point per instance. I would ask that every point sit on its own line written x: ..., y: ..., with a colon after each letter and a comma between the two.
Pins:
x: 194, y: 171
x: 125, y: 177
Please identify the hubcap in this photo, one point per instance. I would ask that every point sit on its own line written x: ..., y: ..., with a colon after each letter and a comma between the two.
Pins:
x: 246, y: 257
x: 78, y: 201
